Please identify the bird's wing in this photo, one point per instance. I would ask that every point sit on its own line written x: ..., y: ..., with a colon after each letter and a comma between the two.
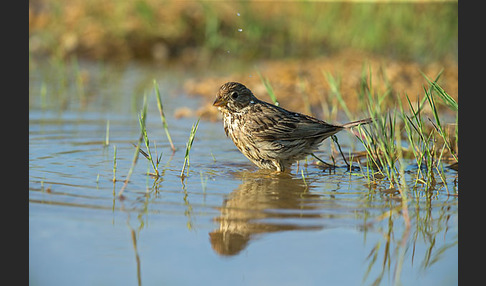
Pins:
x: 275, y: 123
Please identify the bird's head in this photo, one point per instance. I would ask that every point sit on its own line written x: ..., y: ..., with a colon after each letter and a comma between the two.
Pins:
x: 234, y: 96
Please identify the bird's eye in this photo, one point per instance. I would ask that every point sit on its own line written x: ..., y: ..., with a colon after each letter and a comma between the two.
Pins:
x: 234, y: 95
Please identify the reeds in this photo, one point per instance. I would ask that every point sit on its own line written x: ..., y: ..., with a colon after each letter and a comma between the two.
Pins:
x: 114, y: 164
x: 150, y: 153
x: 107, y: 133
x: 334, y: 84
x: 268, y: 87
x: 427, y: 140
x: 192, y: 135
x: 142, y: 118
x: 379, y: 143
x: 429, y: 145
x: 162, y: 115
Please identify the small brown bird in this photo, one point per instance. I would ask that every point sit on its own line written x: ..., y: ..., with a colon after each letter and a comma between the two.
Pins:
x: 270, y: 136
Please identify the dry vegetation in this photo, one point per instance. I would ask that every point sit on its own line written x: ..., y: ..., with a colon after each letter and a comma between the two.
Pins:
x: 295, y: 80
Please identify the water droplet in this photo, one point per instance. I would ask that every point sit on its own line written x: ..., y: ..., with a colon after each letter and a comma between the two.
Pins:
x: 240, y: 30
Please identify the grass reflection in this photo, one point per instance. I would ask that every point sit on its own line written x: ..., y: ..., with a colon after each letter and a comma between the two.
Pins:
x: 397, y: 248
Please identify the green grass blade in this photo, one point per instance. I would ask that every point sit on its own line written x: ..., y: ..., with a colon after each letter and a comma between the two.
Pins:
x: 162, y: 115
x: 446, y: 98
x: 334, y: 85
x: 189, y: 146
x: 269, y: 89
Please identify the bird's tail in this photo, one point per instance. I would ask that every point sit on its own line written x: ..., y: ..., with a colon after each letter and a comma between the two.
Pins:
x: 357, y: 122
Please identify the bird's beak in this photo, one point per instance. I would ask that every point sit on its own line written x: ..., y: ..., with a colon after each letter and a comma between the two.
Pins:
x: 219, y: 101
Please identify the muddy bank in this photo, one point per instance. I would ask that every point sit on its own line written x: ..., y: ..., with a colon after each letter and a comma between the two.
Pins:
x: 302, y: 85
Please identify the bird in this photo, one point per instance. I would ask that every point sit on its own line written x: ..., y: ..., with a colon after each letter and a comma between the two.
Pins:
x: 268, y: 135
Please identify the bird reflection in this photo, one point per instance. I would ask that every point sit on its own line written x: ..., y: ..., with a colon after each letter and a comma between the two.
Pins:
x: 264, y: 202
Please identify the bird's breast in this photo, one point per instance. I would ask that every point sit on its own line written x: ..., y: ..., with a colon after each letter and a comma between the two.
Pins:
x: 232, y: 124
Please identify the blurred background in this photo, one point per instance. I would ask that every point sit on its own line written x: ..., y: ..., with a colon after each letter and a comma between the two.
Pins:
x: 198, y: 32
x: 292, y: 45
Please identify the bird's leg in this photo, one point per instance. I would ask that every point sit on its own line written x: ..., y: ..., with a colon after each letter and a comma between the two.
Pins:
x: 334, y: 138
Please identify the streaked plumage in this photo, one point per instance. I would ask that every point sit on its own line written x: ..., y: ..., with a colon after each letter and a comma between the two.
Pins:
x: 270, y: 136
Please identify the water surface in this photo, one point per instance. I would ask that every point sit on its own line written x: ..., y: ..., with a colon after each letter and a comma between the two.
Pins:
x: 227, y: 222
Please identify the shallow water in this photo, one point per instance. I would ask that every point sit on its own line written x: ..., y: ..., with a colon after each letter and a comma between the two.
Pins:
x: 227, y: 222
